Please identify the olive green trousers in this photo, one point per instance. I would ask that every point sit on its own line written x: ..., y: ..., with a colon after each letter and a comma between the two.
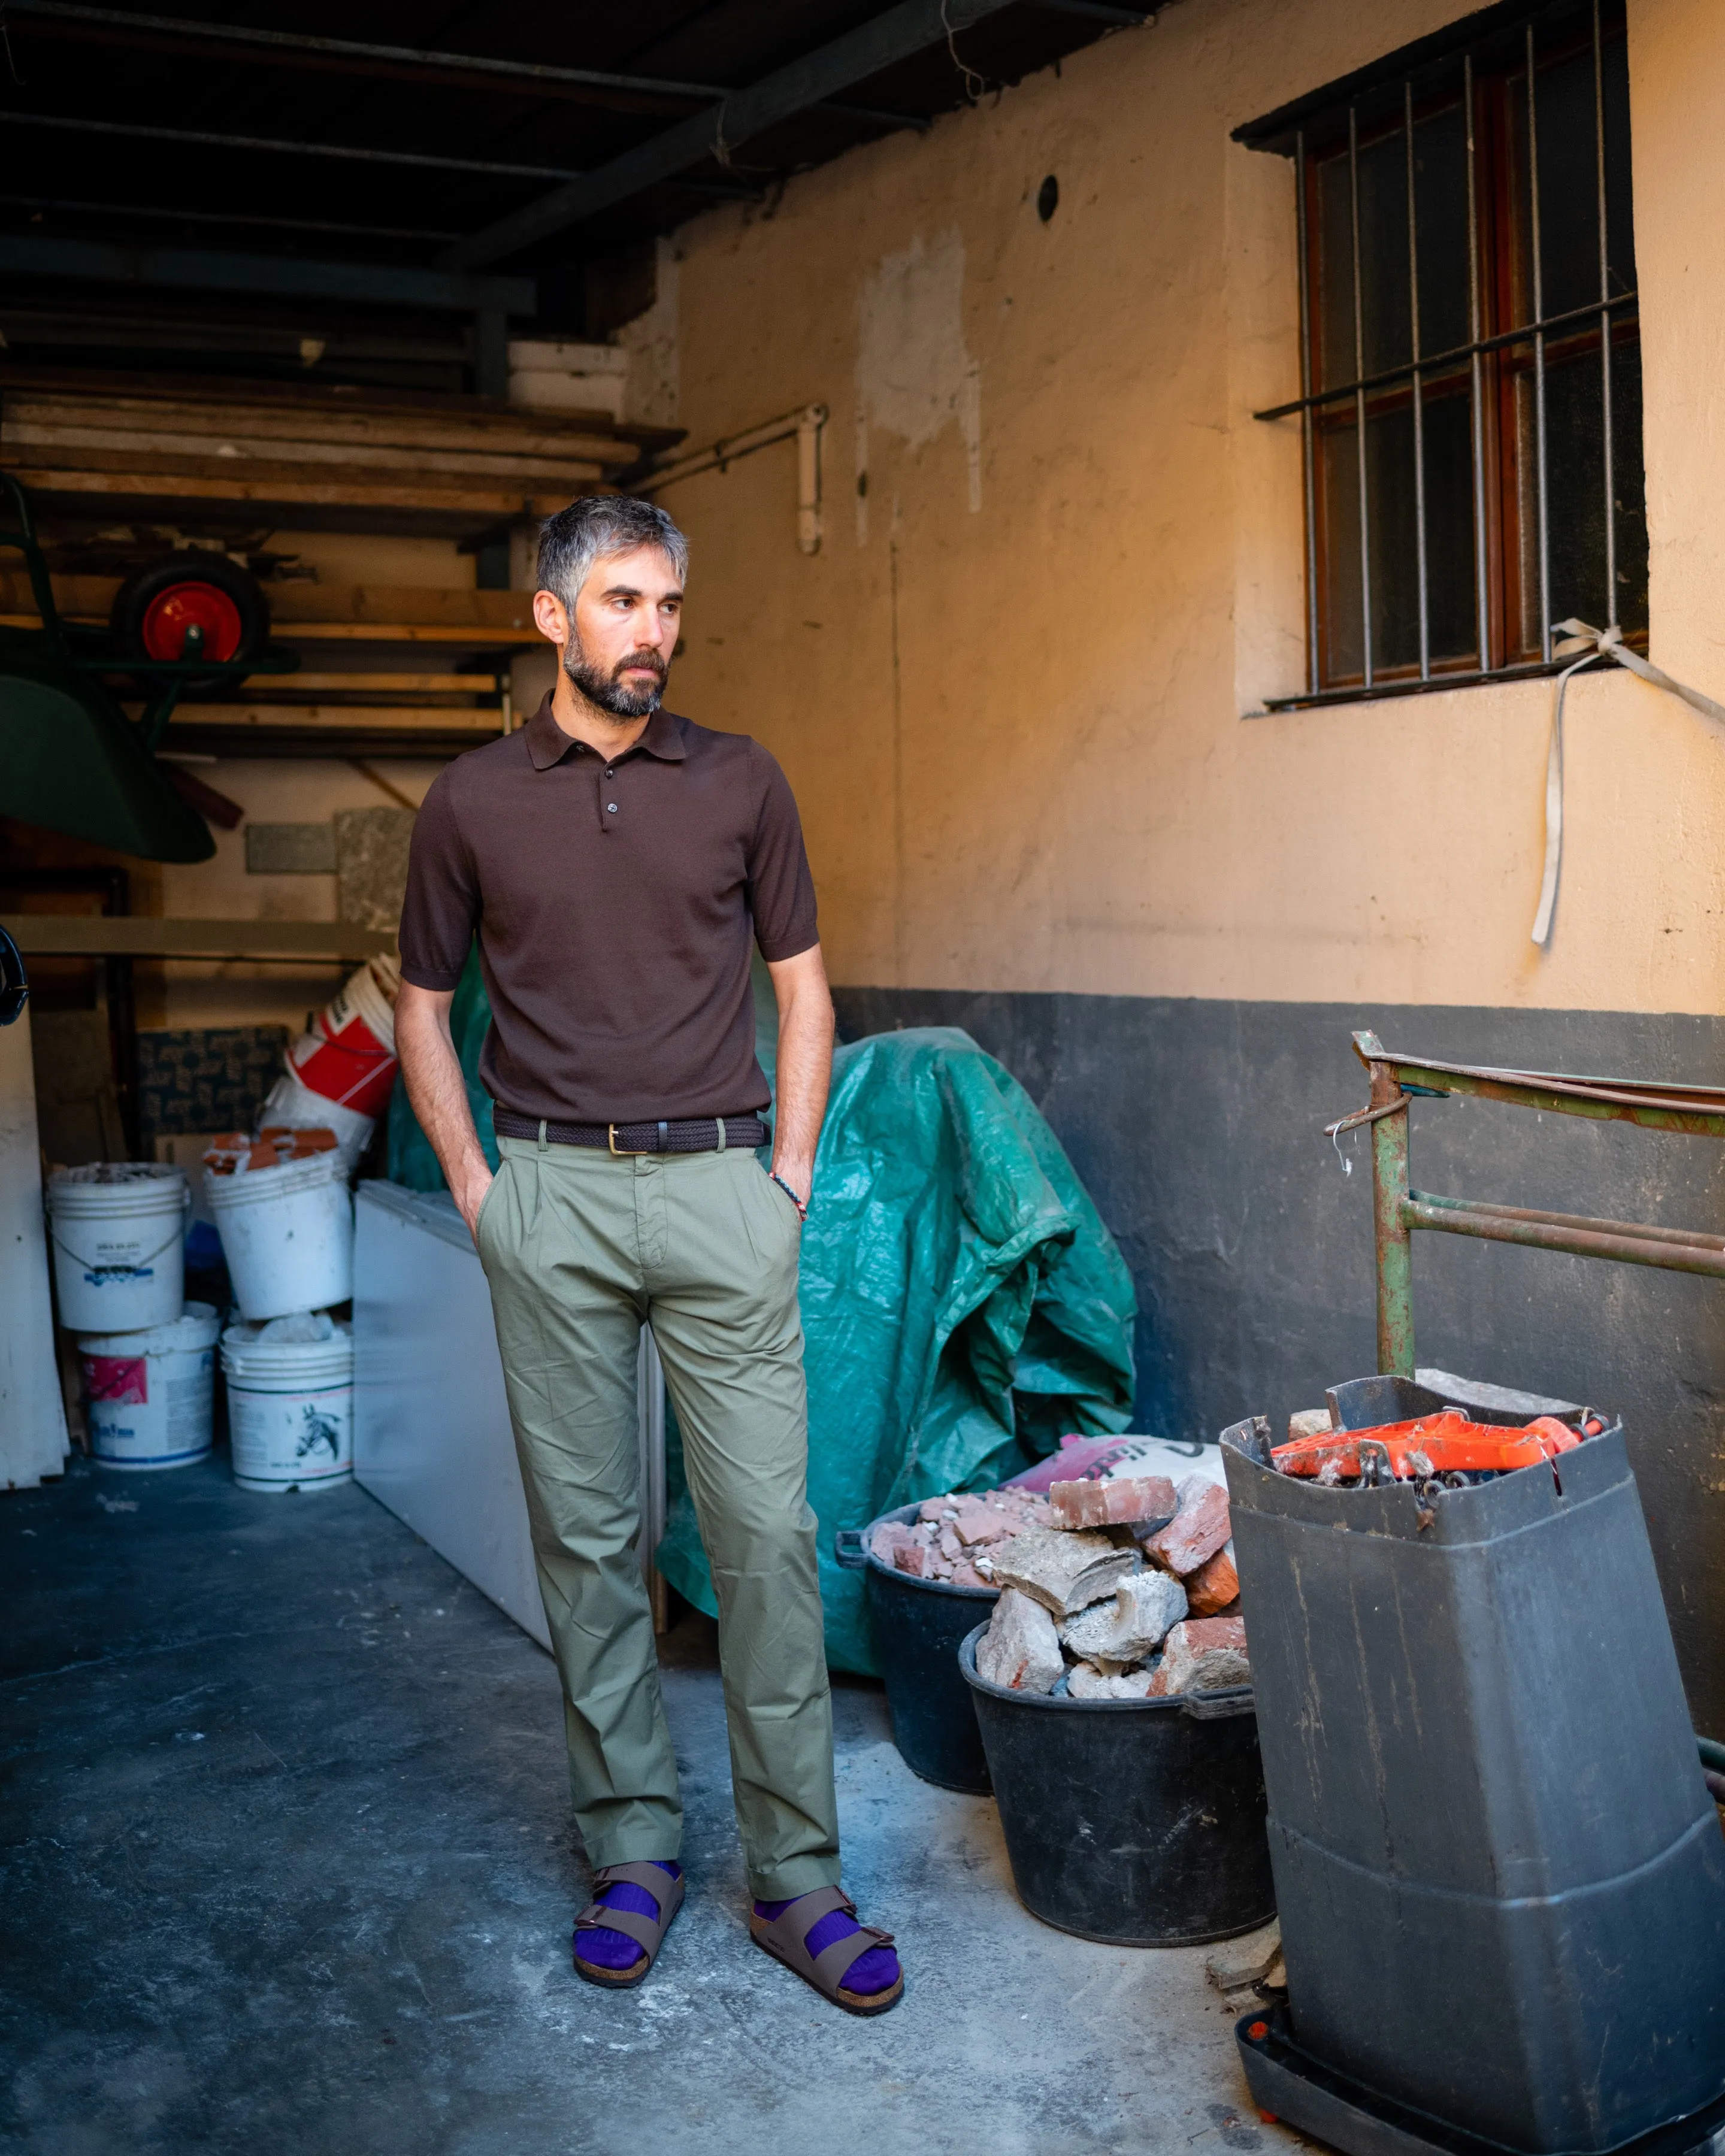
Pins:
x: 580, y: 1248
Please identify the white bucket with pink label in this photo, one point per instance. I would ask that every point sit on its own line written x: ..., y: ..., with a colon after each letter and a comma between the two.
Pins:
x: 149, y: 1394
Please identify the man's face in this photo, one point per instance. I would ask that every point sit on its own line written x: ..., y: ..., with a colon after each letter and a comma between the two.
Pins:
x: 618, y: 648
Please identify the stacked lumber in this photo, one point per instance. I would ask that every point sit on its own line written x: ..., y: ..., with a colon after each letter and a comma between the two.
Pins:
x: 92, y: 444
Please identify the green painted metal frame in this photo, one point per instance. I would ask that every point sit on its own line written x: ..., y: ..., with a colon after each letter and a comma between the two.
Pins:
x: 1398, y: 1209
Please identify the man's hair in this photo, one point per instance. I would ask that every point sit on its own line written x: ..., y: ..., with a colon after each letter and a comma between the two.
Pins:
x: 594, y: 529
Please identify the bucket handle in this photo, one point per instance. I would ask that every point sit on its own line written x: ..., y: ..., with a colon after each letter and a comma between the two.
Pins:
x: 848, y: 1550
x: 1218, y: 1706
x: 90, y: 1265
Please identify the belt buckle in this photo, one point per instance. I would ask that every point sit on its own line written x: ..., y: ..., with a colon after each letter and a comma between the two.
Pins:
x: 625, y: 1152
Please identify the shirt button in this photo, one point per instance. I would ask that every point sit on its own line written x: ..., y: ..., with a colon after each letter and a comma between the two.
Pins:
x: 610, y: 808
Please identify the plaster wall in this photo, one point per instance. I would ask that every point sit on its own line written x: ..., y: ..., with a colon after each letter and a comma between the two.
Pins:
x: 1014, y: 689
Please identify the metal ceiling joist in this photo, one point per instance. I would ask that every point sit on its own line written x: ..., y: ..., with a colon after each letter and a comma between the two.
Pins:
x: 191, y: 270
x: 878, y: 44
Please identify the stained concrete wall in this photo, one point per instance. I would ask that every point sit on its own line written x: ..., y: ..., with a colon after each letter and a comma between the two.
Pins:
x: 1015, y: 692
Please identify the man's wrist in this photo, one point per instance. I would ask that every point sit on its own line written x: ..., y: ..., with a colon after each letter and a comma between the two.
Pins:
x: 798, y: 1195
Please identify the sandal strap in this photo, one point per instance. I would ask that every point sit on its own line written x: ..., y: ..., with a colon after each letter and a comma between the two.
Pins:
x: 647, y: 1931
x: 792, y: 1927
x: 833, y: 1963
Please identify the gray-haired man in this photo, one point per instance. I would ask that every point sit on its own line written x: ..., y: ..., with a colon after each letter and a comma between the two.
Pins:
x: 617, y: 863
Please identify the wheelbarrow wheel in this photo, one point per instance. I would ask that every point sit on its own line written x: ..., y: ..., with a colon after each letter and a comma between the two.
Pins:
x: 155, y: 607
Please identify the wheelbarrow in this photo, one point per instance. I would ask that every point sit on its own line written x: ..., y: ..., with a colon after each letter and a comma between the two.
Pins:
x: 70, y: 758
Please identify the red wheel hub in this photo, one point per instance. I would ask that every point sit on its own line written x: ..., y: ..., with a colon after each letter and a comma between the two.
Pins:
x: 191, y: 605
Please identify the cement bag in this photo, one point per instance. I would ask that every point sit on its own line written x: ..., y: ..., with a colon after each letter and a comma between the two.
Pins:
x: 963, y: 1303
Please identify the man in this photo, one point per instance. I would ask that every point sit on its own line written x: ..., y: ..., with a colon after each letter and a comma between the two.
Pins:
x: 616, y: 863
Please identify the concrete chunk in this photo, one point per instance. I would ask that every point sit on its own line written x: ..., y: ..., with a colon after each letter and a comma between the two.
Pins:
x: 1309, y: 1422
x: 1087, y: 1683
x: 1064, y: 1572
x: 1021, y: 1651
x: 1237, y: 1963
x: 1196, y: 1532
x: 1121, y: 1503
x: 1114, y: 1634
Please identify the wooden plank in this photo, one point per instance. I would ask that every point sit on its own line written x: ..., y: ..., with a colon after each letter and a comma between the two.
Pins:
x: 303, y: 684
x: 77, y: 448
x: 529, y: 432
x: 91, y: 598
x: 406, y: 632
x: 135, y: 936
x: 369, y: 718
x: 234, y: 484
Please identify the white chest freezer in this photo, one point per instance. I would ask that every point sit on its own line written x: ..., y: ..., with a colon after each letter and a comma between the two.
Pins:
x: 431, y: 1434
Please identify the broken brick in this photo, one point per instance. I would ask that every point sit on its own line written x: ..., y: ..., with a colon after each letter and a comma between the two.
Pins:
x: 1196, y: 1532
x: 919, y: 1560
x: 1204, y: 1654
x: 1212, y: 1587
x: 983, y: 1523
x: 886, y: 1538
x: 1117, y: 1504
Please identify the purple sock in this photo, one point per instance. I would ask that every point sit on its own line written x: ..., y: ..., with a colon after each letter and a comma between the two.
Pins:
x: 876, y: 1970
x: 609, y: 1949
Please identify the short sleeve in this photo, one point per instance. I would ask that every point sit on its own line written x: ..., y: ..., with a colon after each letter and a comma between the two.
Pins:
x: 440, y: 911
x: 780, y: 889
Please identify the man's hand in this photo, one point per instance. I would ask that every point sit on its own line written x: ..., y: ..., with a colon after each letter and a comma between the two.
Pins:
x: 439, y: 1094
x: 471, y: 1195
x: 805, y: 1067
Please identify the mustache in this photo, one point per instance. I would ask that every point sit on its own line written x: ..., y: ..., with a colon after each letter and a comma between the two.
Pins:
x: 647, y: 662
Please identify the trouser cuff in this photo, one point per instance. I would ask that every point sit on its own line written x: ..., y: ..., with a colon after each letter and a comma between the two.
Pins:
x: 637, y: 1849
x: 800, y: 1875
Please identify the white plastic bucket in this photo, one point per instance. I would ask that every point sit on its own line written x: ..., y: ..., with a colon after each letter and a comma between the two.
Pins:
x: 349, y: 1054
x: 150, y: 1394
x: 290, y: 1403
x: 117, y: 1227
x: 287, y: 1233
x: 293, y: 1105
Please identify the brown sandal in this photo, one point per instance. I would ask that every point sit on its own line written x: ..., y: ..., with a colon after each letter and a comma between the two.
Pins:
x: 649, y: 1930
x: 785, y: 1937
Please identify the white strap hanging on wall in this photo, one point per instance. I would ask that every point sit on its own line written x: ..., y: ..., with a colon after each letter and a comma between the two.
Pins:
x: 1592, y: 644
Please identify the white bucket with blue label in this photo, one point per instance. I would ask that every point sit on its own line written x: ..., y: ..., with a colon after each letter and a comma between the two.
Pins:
x: 291, y: 1402
x: 115, y: 1227
x: 149, y: 1396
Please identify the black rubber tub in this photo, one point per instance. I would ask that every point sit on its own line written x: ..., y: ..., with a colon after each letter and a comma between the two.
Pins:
x: 917, y: 1625
x: 1137, y: 1822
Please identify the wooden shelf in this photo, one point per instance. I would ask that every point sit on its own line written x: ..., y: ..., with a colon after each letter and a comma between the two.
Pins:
x: 133, y: 936
x: 480, y: 725
x: 297, y: 687
x: 307, y: 613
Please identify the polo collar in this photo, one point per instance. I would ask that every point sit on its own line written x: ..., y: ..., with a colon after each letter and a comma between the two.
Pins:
x: 548, y: 744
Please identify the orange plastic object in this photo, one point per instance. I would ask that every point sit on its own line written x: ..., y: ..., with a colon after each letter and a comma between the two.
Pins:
x: 1446, y: 1442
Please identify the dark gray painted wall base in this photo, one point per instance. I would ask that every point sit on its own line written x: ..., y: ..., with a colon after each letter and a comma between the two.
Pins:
x: 1198, y: 1126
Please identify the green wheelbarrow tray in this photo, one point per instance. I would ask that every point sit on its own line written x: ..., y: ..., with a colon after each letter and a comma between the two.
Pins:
x: 70, y: 759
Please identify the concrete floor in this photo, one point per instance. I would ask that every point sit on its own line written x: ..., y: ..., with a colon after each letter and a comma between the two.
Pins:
x: 288, y: 1867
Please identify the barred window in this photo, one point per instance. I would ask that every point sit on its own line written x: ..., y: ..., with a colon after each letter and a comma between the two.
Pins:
x: 1467, y: 311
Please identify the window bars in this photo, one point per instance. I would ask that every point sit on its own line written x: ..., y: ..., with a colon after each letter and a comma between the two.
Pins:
x: 1504, y: 137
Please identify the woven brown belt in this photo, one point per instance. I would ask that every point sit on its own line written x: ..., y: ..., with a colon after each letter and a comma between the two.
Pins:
x: 703, y: 1134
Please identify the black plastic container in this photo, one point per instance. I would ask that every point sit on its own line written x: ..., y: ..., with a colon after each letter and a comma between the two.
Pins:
x: 1501, y: 1878
x: 1138, y: 1822
x: 917, y: 1625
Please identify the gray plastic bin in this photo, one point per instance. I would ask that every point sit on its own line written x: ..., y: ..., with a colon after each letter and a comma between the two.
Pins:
x: 1500, y: 1875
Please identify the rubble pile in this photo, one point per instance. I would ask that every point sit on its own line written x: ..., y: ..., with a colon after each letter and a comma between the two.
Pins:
x: 950, y: 1532
x: 1125, y: 1590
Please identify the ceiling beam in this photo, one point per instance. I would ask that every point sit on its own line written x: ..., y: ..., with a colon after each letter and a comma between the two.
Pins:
x: 383, y: 284
x: 895, y: 35
x: 68, y: 19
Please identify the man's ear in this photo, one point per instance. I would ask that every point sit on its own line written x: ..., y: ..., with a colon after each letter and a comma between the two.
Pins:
x: 550, y: 617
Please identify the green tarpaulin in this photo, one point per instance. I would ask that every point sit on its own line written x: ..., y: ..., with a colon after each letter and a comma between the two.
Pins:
x: 963, y: 1302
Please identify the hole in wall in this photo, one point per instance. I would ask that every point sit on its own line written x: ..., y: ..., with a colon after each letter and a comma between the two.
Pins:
x: 1048, y: 198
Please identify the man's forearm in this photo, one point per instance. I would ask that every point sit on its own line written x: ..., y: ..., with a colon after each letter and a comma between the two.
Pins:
x: 432, y: 1071
x: 805, y: 1069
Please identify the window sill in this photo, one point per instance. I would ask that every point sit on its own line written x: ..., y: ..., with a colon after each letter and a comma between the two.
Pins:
x: 1438, y: 685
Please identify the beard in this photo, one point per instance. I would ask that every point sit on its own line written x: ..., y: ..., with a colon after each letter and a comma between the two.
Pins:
x: 607, y: 690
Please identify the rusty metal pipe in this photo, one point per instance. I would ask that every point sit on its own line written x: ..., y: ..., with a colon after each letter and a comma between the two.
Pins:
x: 1700, y: 1238
x: 1635, y: 1248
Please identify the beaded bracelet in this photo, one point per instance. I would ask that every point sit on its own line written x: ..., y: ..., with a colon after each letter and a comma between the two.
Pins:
x: 802, y: 1209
